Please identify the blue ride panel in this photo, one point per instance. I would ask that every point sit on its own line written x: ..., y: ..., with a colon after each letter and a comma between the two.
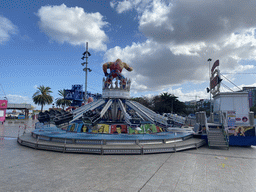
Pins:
x: 242, y: 141
x: 242, y: 136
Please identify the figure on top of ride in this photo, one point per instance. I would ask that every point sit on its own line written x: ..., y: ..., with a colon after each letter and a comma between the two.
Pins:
x: 115, y: 71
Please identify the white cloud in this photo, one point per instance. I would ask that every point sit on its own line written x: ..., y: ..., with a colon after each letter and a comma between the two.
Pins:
x: 184, y: 21
x: 244, y: 43
x: 123, y: 6
x: 126, y: 5
x: 156, y: 14
x: 73, y: 25
x: 19, y: 99
x: 191, y: 49
x: 182, y: 35
x: 191, y: 95
x: 187, y: 21
x: 156, y: 67
x: 7, y: 28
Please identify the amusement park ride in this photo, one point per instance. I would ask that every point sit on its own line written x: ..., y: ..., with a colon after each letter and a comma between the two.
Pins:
x: 115, y: 124
x: 115, y: 106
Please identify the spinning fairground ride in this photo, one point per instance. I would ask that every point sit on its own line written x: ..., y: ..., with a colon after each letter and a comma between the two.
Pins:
x: 111, y: 125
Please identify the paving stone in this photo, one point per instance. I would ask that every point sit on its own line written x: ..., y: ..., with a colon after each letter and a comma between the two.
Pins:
x: 25, y: 169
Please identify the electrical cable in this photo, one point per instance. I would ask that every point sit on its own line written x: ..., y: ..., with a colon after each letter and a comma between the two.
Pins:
x: 239, y: 73
x: 230, y: 81
x: 227, y: 87
x: 3, y: 91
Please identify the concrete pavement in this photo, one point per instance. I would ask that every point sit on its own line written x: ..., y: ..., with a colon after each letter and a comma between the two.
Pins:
x: 26, y: 169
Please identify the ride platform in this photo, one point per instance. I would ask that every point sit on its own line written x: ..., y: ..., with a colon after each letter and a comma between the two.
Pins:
x: 137, y: 146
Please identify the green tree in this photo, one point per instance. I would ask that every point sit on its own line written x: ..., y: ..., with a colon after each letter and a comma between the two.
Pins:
x: 42, y: 96
x: 164, y: 103
x: 253, y: 109
x: 61, y: 101
x: 167, y: 103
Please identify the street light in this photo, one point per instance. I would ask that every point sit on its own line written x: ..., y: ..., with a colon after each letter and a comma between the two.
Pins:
x: 209, y: 89
x: 85, y: 56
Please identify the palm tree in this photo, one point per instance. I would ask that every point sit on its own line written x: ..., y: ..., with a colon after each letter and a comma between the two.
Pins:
x: 167, y: 103
x: 62, y: 101
x: 42, y: 96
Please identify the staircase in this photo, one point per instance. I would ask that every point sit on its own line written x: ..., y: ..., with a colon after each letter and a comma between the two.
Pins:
x: 217, y: 137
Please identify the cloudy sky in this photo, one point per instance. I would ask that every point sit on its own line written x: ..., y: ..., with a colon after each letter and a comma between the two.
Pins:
x: 167, y: 42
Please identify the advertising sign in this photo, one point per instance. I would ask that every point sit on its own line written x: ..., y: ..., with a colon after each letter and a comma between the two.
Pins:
x: 231, y: 117
x: 216, y: 64
x: 241, y: 131
x: 215, y: 78
x: 242, y: 119
x: 3, y: 104
x: 3, y: 107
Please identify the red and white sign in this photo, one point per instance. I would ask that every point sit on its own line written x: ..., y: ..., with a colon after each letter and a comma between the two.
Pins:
x: 216, y: 64
x: 244, y: 119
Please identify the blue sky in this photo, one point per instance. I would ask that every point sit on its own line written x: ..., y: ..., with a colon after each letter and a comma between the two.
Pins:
x: 167, y: 42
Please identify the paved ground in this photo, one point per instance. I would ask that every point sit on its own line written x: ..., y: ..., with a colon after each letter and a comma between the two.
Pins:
x: 25, y: 169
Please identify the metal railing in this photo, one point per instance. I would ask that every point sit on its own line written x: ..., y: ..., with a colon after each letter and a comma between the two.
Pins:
x: 225, y: 127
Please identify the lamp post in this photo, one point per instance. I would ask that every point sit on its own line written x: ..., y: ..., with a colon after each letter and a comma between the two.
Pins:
x: 209, y: 60
x: 85, y: 55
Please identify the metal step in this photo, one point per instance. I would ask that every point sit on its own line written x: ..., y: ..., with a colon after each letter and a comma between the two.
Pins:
x: 217, y: 142
x: 214, y: 141
x: 216, y: 138
x: 219, y: 146
x: 216, y: 135
x: 215, y: 131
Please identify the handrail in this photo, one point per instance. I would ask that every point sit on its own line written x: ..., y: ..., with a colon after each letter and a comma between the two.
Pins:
x: 225, y: 128
x: 206, y: 126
